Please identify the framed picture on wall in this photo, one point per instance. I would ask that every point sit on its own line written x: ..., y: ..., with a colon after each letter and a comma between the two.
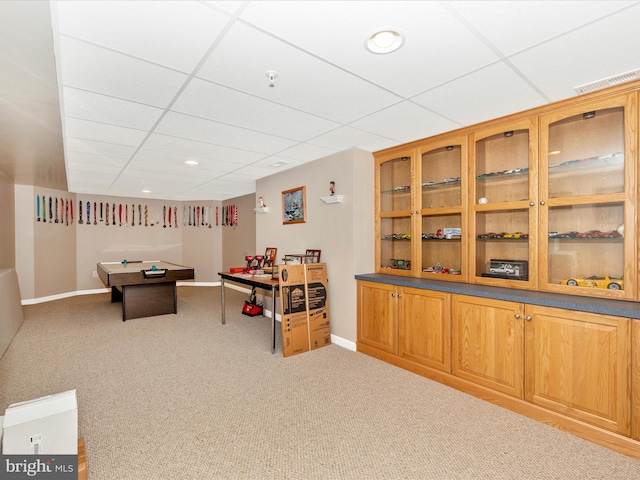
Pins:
x: 294, y: 206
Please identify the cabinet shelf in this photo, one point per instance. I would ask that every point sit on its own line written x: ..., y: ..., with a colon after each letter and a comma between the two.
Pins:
x: 397, y: 191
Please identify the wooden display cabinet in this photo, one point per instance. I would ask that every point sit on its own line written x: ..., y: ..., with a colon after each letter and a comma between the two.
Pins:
x: 578, y: 364
x: 442, y: 166
x: 420, y: 210
x: 377, y: 316
x: 503, y: 204
x: 546, y: 201
x: 407, y: 323
x: 488, y: 343
x: 587, y: 201
x: 394, y: 228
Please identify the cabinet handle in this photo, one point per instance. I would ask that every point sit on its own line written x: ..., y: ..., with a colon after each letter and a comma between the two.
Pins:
x: 528, y: 318
x: 541, y: 202
x: 518, y: 316
x: 393, y: 294
x: 531, y: 204
x: 399, y: 295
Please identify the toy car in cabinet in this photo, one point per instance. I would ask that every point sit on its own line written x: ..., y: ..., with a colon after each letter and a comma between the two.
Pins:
x: 595, y: 281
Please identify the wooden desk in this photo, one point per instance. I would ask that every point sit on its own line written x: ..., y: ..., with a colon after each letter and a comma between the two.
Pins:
x: 144, y: 291
x: 265, y: 283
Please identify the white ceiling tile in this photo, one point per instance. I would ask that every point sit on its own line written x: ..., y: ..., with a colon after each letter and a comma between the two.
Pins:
x: 92, y: 68
x: 306, y: 152
x: 99, y: 132
x: 280, y: 163
x: 405, y: 122
x: 222, y: 104
x: 226, y: 187
x: 489, y: 93
x: 515, y: 25
x: 201, y: 150
x: 203, y: 130
x: 154, y: 159
x: 336, y: 31
x: 228, y: 6
x: 98, y: 162
x: 254, y: 171
x: 98, y: 148
x: 583, y: 56
x: 304, y: 82
x: 173, y: 34
x: 347, y: 137
x: 109, y: 110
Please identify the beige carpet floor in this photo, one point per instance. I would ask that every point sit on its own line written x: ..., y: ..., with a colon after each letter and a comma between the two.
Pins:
x: 184, y: 397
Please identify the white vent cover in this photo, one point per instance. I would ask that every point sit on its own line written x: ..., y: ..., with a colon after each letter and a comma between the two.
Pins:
x: 608, y: 82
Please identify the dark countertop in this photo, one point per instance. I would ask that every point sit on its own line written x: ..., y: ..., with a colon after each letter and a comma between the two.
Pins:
x: 618, y: 308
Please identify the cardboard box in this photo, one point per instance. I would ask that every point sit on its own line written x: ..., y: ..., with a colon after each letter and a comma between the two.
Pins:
x: 293, y: 310
x: 304, y: 308
x: 44, y: 426
x: 318, y: 305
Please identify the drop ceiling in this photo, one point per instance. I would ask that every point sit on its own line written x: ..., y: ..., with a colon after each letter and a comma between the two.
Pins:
x: 112, y: 98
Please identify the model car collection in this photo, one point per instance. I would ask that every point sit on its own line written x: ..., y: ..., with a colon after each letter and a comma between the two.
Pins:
x: 570, y: 234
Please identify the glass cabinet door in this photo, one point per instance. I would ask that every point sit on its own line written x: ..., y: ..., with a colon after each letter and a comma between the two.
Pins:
x: 394, y: 203
x: 586, y: 196
x: 442, y: 252
x: 503, y: 205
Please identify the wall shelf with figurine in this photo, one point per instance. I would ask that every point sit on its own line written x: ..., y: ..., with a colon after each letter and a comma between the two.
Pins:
x: 262, y: 210
x: 332, y: 198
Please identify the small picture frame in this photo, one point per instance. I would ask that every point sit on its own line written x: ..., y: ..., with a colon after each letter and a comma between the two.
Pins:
x: 294, y: 206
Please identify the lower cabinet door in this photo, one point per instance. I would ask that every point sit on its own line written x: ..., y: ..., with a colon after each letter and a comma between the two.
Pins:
x: 377, y: 316
x: 488, y: 343
x: 578, y: 364
x: 424, y: 327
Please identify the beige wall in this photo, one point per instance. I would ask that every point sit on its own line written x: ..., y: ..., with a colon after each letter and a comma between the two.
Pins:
x: 202, y: 246
x: 7, y: 216
x: 240, y: 240
x: 45, y: 252
x: 343, y: 231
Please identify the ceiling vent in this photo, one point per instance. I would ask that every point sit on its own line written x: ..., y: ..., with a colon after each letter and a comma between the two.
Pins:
x: 608, y: 82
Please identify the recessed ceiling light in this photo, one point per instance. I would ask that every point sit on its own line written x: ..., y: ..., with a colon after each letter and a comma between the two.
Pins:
x: 191, y: 162
x: 278, y: 164
x: 146, y: 190
x: 384, y: 40
x: 555, y: 152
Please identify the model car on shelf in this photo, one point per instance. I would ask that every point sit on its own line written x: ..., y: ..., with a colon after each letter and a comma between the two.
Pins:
x: 609, y: 234
x: 595, y: 281
x: 400, y: 264
x: 491, y: 235
x: 571, y: 234
x: 441, y: 270
x: 516, y: 235
x: 589, y: 234
x: 506, y: 268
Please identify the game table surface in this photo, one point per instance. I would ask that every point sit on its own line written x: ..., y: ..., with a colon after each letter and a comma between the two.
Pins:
x: 140, y: 272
